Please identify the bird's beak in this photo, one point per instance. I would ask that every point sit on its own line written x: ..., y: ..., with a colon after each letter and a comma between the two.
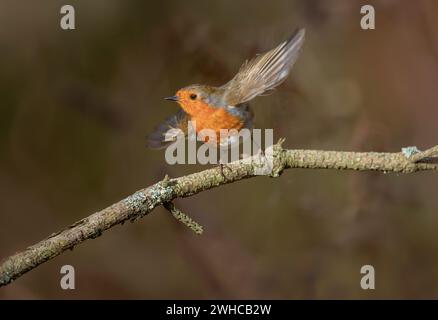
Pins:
x: 172, y: 98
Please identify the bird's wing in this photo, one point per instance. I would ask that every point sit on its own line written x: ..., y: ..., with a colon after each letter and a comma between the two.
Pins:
x: 168, y: 131
x: 265, y: 71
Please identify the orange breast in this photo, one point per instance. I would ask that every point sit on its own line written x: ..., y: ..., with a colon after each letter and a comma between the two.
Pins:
x: 208, y: 117
x: 217, y: 119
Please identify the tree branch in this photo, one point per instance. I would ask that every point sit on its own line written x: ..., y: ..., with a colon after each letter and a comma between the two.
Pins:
x: 162, y: 193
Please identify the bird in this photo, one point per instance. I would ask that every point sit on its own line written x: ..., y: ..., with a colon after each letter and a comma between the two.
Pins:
x: 227, y: 106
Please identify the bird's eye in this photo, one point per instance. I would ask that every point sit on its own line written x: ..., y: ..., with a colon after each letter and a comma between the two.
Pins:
x: 193, y: 96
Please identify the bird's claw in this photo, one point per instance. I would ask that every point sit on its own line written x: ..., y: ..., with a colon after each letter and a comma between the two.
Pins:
x: 221, y: 169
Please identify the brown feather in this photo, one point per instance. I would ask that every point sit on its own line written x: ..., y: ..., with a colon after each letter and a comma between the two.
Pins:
x: 170, y: 126
x: 264, y: 72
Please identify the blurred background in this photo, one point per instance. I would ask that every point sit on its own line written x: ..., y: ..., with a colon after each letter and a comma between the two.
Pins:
x: 76, y: 107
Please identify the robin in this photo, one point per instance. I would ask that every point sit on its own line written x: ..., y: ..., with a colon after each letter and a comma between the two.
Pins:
x: 227, y: 107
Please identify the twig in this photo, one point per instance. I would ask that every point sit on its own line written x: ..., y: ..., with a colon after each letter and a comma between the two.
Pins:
x: 426, y: 156
x: 183, y: 218
x: 144, y: 201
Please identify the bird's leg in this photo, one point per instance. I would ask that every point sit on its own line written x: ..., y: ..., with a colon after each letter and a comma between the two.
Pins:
x: 260, y: 151
x: 262, y: 159
x: 223, y: 166
x: 223, y: 162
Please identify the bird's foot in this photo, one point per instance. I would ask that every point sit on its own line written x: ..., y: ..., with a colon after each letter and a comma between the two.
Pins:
x: 221, y: 169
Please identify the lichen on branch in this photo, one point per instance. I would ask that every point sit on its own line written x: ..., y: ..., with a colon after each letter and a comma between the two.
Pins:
x: 163, y: 192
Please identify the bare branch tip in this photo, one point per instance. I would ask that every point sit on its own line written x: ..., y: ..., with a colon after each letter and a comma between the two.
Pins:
x: 165, y: 180
x: 280, y: 142
x: 183, y: 218
x: 417, y: 156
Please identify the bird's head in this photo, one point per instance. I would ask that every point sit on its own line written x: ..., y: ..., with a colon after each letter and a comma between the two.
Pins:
x: 195, y: 97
